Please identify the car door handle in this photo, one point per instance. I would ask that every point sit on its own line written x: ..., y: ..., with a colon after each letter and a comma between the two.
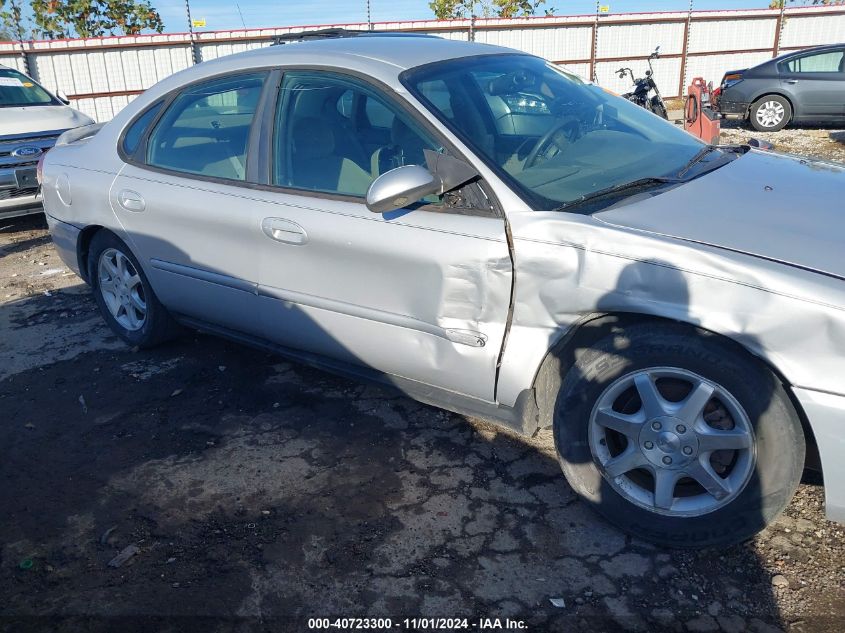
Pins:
x: 467, y: 337
x: 792, y: 81
x: 284, y: 231
x: 131, y: 200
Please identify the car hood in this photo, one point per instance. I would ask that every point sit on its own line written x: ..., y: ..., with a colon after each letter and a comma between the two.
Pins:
x: 42, y: 118
x: 778, y: 207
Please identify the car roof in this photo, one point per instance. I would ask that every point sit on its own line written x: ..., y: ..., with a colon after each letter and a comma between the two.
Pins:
x: 382, y: 57
x: 400, y: 50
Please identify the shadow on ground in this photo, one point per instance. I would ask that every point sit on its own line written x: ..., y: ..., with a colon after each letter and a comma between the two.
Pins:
x: 260, y: 491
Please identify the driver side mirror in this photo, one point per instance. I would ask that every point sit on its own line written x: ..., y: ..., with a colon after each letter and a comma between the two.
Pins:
x: 405, y: 185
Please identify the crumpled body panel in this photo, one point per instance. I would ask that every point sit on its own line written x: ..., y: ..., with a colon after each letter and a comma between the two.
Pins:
x: 570, y: 266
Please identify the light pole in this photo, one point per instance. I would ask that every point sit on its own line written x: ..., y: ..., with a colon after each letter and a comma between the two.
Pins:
x: 16, y: 14
x: 369, y: 17
x: 194, y: 51
x: 779, y: 33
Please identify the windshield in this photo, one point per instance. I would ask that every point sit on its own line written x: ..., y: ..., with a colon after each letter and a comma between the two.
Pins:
x: 16, y: 89
x: 551, y: 136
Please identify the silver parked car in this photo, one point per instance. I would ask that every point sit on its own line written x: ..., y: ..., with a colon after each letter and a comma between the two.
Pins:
x: 493, y: 235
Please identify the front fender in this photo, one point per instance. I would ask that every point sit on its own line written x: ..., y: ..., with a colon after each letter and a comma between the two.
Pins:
x: 570, y: 267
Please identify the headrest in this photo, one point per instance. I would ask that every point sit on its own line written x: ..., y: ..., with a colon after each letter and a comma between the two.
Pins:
x: 412, y: 145
x: 312, y: 138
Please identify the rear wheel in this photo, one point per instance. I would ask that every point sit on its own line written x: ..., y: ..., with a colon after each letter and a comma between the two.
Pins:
x: 770, y: 113
x: 124, y: 295
x: 678, y: 437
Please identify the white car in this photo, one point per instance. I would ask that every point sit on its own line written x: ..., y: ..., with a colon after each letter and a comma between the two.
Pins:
x: 31, y: 119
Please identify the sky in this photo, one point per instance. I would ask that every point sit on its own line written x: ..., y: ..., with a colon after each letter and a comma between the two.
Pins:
x: 223, y: 14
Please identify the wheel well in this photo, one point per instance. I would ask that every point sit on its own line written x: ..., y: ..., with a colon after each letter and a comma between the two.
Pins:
x: 593, y: 328
x: 563, y: 353
x: 774, y: 94
x: 82, y: 245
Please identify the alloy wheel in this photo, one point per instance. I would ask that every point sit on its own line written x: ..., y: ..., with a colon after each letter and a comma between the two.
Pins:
x: 122, y: 289
x: 671, y: 441
x: 770, y: 114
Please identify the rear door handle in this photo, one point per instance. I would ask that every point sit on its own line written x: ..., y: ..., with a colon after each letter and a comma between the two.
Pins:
x: 284, y: 231
x: 792, y: 81
x: 131, y: 200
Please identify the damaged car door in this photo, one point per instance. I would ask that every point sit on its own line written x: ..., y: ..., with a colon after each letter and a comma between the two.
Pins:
x: 421, y: 293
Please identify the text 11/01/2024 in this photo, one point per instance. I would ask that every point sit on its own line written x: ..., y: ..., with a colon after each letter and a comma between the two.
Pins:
x: 416, y: 624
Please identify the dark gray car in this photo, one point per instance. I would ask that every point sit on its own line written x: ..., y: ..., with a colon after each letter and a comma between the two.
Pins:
x: 807, y: 85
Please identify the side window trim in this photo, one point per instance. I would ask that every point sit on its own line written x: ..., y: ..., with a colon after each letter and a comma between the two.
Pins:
x: 260, y: 140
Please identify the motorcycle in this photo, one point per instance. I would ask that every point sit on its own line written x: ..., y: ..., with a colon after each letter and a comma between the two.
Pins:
x: 642, y: 88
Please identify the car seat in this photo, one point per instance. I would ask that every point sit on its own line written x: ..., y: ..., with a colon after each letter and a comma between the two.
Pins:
x: 406, y: 148
x: 320, y: 163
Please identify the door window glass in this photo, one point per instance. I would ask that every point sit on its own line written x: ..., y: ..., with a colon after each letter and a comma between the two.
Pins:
x: 206, y: 128
x: 337, y: 135
x: 831, y: 62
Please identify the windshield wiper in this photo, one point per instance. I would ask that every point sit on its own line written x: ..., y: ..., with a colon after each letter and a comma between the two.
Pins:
x: 624, y: 188
x: 699, y: 156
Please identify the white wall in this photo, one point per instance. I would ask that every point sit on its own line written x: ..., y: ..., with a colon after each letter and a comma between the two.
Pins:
x: 102, y: 75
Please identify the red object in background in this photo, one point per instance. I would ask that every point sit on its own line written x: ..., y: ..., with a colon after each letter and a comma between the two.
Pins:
x: 699, y: 117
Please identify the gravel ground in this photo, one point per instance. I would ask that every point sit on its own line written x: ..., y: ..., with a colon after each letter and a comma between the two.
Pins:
x: 825, y: 142
x: 253, y: 493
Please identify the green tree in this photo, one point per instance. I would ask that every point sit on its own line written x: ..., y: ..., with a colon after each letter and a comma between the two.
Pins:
x: 92, y: 18
x: 10, y: 21
x: 517, y: 8
x: 450, y: 9
x: 777, y: 4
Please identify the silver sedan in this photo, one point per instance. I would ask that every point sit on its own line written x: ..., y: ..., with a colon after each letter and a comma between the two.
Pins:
x: 491, y: 234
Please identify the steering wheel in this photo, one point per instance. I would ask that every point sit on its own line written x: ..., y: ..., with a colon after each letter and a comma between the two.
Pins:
x: 556, y: 136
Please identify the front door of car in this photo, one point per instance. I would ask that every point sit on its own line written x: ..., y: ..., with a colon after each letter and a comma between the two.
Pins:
x: 182, y: 202
x: 420, y: 293
x: 816, y: 83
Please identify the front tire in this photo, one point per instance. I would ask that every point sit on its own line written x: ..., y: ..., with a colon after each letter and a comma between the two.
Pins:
x: 770, y: 113
x: 124, y: 295
x: 658, y: 108
x: 678, y: 436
